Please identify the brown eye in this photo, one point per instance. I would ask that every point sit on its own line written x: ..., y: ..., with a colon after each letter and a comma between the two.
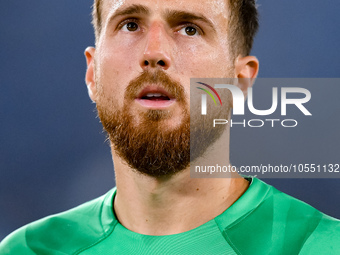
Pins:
x: 190, y: 31
x: 131, y: 26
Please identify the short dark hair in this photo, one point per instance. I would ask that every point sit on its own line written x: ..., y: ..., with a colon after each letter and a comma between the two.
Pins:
x: 243, y: 24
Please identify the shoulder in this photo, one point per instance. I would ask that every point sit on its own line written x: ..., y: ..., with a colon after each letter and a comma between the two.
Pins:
x: 15, y: 243
x: 316, y: 232
x: 325, y: 239
x: 63, y: 233
x: 312, y: 231
x: 280, y: 223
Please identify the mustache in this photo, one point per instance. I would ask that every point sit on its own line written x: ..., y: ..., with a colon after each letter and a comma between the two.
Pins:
x: 159, y: 78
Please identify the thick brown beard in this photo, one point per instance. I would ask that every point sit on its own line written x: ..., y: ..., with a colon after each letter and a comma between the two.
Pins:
x: 149, y: 147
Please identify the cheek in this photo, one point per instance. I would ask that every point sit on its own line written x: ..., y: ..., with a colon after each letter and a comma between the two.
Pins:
x: 202, y: 61
x: 115, y: 71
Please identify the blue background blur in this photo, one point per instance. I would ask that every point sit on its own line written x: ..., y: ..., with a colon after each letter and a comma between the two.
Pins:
x: 52, y: 150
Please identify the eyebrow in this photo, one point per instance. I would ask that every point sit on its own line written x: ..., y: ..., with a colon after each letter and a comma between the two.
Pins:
x: 133, y: 9
x: 172, y: 16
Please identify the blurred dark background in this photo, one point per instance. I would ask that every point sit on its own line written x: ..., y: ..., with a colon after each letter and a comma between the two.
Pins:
x: 53, y: 154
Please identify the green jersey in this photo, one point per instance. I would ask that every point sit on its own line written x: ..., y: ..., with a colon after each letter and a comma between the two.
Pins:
x: 262, y: 221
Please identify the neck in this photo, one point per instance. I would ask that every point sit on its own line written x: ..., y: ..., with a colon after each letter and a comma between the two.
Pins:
x: 156, y: 206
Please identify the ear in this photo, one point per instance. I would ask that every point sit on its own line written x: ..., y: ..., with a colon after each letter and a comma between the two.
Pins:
x: 246, y: 69
x: 89, y: 77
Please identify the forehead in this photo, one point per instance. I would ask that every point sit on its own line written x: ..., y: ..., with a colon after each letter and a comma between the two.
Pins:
x: 214, y: 10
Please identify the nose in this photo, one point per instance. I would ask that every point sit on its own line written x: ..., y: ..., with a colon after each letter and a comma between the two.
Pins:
x: 157, y: 49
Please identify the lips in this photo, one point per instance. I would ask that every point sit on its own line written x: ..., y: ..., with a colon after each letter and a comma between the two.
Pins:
x: 154, y: 91
x: 155, y: 97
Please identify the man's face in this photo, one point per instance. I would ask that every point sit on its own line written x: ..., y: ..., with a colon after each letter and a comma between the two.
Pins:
x: 146, y: 54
